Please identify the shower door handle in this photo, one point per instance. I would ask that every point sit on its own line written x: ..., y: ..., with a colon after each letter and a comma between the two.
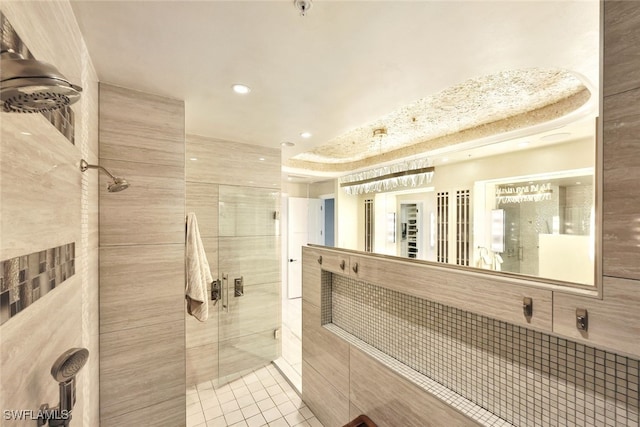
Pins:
x: 225, y: 292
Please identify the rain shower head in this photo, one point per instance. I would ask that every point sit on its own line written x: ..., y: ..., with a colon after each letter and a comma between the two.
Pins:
x: 118, y: 183
x: 31, y: 86
x: 69, y: 363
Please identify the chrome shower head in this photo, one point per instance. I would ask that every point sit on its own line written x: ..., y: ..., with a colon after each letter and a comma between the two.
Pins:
x: 118, y: 183
x: 31, y: 86
x: 69, y: 363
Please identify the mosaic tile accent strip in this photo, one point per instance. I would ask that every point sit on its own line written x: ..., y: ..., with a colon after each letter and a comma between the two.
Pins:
x: 525, y: 377
x: 62, y: 119
x: 27, y: 278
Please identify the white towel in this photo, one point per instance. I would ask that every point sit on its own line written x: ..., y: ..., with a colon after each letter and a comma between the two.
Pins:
x: 198, y: 272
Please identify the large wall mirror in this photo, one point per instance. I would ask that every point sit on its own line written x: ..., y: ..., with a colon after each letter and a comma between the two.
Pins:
x: 524, y: 205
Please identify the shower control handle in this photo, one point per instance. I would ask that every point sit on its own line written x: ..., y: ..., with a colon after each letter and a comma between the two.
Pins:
x: 238, y: 286
x: 216, y: 292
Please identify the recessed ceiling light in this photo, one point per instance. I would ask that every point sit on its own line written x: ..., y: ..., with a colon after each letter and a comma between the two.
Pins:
x: 287, y: 144
x: 193, y: 158
x: 241, y: 89
x: 578, y: 183
x: 261, y: 159
x: 523, y: 144
x: 26, y: 133
x: 305, y: 134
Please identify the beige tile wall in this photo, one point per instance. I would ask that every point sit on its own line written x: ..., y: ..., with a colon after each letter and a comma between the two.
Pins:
x: 621, y: 153
x: 46, y: 202
x: 142, y: 229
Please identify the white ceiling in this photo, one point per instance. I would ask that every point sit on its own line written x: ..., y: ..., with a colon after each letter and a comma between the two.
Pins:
x: 345, y: 64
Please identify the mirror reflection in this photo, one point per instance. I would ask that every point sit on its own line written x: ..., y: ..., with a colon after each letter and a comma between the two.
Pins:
x: 523, y: 205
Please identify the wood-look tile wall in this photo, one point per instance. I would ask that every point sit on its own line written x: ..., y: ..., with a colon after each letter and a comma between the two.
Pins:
x: 621, y: 151
x: 142, y: 229
x: 614, y: 321
x: 48, y: 202
x: 228, y: 187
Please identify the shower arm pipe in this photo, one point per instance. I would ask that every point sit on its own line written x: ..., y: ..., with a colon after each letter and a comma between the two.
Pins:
x: 84, y: 166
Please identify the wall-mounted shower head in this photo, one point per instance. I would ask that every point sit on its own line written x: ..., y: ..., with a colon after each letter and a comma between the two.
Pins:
x: 118, y: 183
x: 31, y: 86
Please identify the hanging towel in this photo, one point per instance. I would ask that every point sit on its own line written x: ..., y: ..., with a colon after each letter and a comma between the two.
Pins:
x: 198, y: 272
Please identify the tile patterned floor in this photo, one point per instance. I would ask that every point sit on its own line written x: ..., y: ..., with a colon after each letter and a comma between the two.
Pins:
x: 261, y: 398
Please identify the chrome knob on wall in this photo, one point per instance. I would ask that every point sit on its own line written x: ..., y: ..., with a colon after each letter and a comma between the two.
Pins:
x: 527, y: 307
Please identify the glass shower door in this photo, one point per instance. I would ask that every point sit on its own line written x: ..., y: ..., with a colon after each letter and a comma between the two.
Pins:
x: 249, y: 268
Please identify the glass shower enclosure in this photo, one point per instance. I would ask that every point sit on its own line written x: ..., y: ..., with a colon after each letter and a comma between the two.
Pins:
x: 248, y: 259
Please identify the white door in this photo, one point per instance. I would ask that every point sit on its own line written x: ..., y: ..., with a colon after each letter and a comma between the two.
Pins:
x: 305, y: 225
x: 298, y: 234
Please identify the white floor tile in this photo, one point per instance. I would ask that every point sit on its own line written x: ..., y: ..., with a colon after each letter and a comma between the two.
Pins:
x: 280, y: 422
x: 234, y: 417
x: 217, y: 422
x: 274, y: 389
x: 250, y: 378
x: 210, y: 403
x: 256, y: 386
x: 269, y: 381
x: 287, y: 408
x: 195, y: 419
x: 256, y: 421
x: 260, y: 398
x: 241, y: 391
x: 226, y: 397
x: 245, y: 401
x: 194, y: 408
x: 271, y: 414
x: 207, y: 394
x: 306, y: 412
x: 260, y: 395
x: 250, y: 411
x: 280, y: 398
x: 223, y: 389
x: 295, y: 418
x: 213, y: 412
x: 266, y: 404
x: 229, y: 407
x: 192, y: 398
